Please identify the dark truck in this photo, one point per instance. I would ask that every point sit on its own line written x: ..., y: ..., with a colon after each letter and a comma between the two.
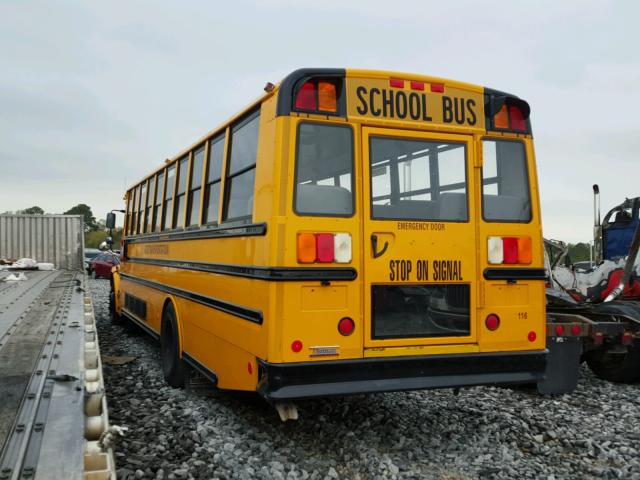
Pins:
x: 594, y: 314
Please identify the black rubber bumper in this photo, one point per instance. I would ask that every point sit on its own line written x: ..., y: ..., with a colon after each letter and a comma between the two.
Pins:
x: 289, y: 381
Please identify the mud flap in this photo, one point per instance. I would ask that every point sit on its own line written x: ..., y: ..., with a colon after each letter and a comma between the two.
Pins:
x: 563, y: 363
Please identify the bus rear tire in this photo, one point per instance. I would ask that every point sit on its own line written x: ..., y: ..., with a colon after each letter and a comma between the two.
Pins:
x: 172, y: 365
x: 621, y: 368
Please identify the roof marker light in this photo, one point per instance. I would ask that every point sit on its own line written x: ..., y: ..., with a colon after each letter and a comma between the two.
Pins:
x: 417, y: 85
x: 396, y: 83
x: 437, y: 87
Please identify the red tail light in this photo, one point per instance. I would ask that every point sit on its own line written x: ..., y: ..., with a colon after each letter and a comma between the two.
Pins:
x: 346, y: 326
x: 627, y: 338
x: 510, y: 246
x: 492, y: 322
x: 576, y: 330
x: 532, y: 336
x: 296, y: 346
x: 306, y: 98
x: 324, y: 247
x: 559, y: 330
x: 598, y: 338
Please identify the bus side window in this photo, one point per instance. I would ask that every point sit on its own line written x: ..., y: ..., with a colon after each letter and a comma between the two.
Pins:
x: 193, y: 211
x: 143, y: 207
x: 127, y: 216
x: 158, y: 204
x: 134, y: 210
x: 179, y: 202
x: 150, y: 202
x: 324, y: 170
x: 168, y: 198
x: 243, y: 151
x: 505, y: 182
x: 214, y: 172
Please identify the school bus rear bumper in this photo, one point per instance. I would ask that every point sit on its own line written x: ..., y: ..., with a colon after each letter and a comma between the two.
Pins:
x: 290, y: 381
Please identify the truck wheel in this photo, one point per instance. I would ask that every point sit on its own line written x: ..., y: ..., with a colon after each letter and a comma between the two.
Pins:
x: 172, y: 365
x: 616, y: 367
x: 115, y: 318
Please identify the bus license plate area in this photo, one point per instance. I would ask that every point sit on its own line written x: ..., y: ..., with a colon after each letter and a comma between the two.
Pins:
x: 410, y: 311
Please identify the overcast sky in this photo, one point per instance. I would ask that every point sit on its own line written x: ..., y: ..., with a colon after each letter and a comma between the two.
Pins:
x: 94, y: 95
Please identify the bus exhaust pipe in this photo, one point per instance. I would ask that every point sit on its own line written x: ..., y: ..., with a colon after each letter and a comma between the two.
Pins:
x: 597, y: 227
x: 287, y: 411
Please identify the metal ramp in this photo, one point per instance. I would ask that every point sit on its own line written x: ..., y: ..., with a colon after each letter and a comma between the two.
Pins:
x: 52, y: 404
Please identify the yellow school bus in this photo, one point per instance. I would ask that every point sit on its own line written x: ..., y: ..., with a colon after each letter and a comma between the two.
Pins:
x: 350, y: 231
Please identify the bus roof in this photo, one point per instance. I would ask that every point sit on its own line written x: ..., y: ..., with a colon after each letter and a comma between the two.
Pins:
x: 294, y: 78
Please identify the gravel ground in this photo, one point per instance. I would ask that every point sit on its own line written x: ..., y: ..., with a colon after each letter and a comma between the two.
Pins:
x: 481, y: 433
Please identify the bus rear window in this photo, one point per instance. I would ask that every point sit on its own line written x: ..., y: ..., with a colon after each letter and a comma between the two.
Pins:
x: 324, y: 170
x: 505, y: 183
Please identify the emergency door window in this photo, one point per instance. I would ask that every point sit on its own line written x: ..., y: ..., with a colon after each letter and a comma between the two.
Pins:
x: 418, y: 180
x: 505, y: 182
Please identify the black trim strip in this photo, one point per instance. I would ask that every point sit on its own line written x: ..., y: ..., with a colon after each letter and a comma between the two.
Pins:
x: 254, y: 316
x: 131, y: 316
x: 515, y: 274
x: 212, y: 377
x: 289, y: 381
x: 259, y: 273
x: 253, y: 229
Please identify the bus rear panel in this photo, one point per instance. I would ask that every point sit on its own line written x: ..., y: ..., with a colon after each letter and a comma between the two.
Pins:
x: 380, y: 232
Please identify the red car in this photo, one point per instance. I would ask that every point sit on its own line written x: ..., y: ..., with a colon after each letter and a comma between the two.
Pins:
x: 102, y: 264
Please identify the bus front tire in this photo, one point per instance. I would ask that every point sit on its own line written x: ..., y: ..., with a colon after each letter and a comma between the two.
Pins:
x: 172, y: 365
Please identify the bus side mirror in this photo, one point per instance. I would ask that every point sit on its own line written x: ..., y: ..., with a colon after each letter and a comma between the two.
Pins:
x: 111, y: 220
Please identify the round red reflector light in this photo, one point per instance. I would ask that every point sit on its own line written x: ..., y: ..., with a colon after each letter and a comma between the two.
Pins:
x: 576, y: 330
x: 296, y: 346
x: 559, y: 330
x: 492, y: 321
x: 346, y: 326
x: 532, y: 336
